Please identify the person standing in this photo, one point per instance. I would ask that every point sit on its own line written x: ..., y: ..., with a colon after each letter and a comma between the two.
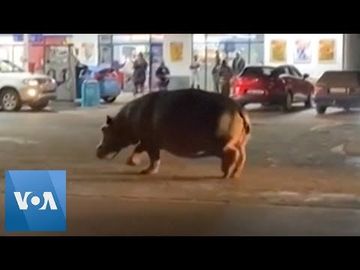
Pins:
x: 225, y: 75
x: 215, y: 72
x: 238, y: 64
x: 139, y: 75
x: 195, y: 73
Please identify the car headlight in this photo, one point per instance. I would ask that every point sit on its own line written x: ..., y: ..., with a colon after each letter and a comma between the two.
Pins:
x: 31, y: 82
x: 32, y: 92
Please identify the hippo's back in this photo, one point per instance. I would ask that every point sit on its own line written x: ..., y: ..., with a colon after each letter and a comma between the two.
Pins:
x: 184, y: 120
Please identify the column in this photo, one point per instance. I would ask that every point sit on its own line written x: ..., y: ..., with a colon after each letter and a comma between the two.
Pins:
x: 352, y: 51
x: 177, y: 54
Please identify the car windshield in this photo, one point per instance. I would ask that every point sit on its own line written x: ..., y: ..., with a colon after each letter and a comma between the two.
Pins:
x: 7, y: 66
x: 257, y: 71
x: 340, y: 79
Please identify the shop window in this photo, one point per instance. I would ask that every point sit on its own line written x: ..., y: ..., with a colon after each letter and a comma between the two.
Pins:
x: 105, y: 39
x: 18, y: 56
x: 157, y: 38
x: 105, y: 54
x: 250, y: 46
x: 13, y: 53
x: 131, y: 38
x: 6, y: 66
x: 199, y: 38
x: 220, y: 38
x: 256, y: 53
x: 230, y: 49
x: 257, y: 37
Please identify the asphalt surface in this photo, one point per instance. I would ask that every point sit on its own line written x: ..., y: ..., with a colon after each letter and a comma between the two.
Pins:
x: 301, y: 178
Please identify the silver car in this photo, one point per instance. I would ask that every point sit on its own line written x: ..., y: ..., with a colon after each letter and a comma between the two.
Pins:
x: 18, y: 87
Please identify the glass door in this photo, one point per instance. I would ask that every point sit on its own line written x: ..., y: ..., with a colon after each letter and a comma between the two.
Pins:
x: 156, y: 58
x: 126, y: 54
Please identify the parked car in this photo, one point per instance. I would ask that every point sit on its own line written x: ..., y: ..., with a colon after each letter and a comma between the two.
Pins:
x: 337, y: 89
x: 282, y: 85
x: 18, y: 87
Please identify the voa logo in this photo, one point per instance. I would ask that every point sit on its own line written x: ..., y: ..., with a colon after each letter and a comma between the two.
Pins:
x: 35, y: 201
x: 48, y: 200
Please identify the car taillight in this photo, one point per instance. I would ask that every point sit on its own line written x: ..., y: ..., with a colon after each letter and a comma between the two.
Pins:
x: 319, y: 88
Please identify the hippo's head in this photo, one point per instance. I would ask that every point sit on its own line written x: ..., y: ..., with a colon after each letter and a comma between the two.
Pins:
x: 115, y: 137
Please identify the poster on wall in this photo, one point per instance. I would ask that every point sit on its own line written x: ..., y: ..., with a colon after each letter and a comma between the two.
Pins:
x: 278, y: 50
x: 176, y: 51
x: 87, y: 53
x: 302, y: 52
x: 327, y: 49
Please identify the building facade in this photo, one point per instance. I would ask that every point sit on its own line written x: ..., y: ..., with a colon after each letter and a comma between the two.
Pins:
x: 310, y: 53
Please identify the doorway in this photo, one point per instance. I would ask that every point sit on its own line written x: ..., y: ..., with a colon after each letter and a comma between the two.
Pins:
x: 126, y: 54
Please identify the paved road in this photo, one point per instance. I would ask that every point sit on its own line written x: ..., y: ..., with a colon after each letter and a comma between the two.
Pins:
x: 300, y: 160
x: 109, y: 216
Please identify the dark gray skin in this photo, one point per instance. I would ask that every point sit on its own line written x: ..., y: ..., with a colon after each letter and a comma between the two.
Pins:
x: 184, y: 122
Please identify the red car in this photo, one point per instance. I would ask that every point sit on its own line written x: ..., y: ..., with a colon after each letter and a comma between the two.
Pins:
x: 282, y: 85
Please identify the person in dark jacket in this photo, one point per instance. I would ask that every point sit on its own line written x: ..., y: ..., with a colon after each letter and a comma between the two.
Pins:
x: 215, y: 72
x: 162, y: 74
x: 225, y: 75
x: 238, y: 64
x: 139, y: 75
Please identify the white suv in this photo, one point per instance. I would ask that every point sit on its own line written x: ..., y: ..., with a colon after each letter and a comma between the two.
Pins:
x: 18, y: 87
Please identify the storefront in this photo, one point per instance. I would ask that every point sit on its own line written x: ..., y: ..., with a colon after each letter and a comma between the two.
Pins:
x: 13, y: 48
x: 123, y: 48
x: 39, y: 47
x: 310, y: 53
x: 250, y: 46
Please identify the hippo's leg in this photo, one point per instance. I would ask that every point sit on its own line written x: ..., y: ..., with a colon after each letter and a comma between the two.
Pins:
x: 154, y: 155
x: 134, y: 158
x: 240, y: 162
x: 229, y: 159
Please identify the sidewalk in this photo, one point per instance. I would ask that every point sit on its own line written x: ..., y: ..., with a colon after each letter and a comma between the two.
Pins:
x: 121, y: 100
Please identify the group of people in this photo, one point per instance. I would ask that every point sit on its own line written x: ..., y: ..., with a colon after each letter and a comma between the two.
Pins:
x: 222, y: 73
x: 139, y: 75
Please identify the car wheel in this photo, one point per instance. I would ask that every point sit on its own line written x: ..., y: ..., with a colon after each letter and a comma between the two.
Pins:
x: 10, y: 100
x: 39, y: 106
x: 109, y: 99
x: 347, y: 108
x: 321, y: 109
x: 308, y: 103
x: 287, y: 106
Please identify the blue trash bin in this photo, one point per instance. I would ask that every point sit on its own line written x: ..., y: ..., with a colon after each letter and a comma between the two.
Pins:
x: 90, y: 93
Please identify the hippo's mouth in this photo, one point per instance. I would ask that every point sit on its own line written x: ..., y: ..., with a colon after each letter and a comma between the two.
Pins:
x: 114, y: 155
x: 109, y: 156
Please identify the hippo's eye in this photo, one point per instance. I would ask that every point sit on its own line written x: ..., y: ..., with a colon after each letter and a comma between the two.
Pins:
x: 103, y: 129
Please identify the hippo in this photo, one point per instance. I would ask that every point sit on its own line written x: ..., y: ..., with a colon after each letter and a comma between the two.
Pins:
x: 187, y: 123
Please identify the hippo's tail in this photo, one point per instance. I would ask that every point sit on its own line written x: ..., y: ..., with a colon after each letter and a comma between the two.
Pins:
x: 245, y: 116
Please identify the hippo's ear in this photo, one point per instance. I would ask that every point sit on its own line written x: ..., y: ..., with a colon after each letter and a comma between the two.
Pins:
x: 108, y: 120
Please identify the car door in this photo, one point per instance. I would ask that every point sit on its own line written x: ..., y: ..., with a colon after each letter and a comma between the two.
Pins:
x: 288, y: 78
x: 302, y: 86
x: 296, y: 85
